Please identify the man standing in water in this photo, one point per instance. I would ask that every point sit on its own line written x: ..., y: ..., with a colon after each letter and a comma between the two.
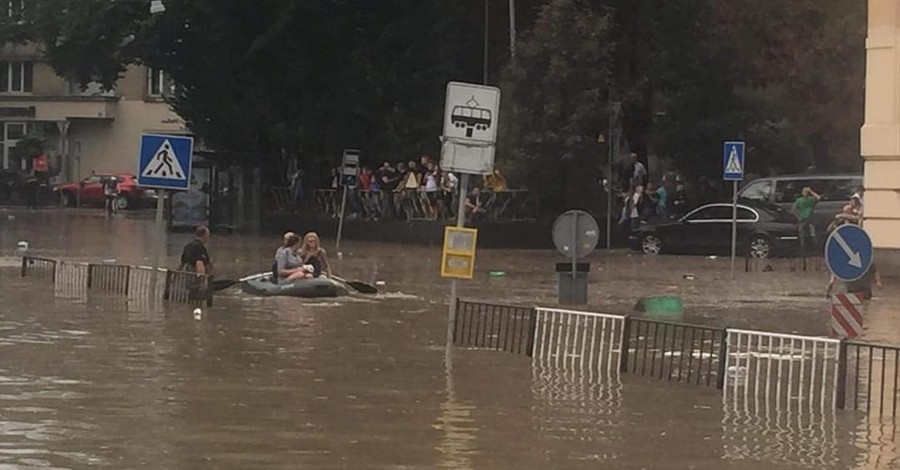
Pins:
x: 195, y: 259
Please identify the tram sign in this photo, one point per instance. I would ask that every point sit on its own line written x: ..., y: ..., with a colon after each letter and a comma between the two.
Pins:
x: 471, y: 118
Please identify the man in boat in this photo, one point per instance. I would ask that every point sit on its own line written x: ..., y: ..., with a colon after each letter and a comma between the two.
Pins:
x: 288, y: 264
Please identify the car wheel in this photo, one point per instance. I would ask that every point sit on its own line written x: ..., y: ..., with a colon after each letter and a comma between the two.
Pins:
x: 760, y: 247
x: 66, y: 200
x: 121, y: 203
x: 651, y: 244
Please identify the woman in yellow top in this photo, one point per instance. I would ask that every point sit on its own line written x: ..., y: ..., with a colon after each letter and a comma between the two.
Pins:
x: 312, y: 253
x: 495, y: 181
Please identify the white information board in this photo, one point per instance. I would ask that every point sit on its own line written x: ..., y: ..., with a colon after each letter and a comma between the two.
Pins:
x: 471, y: 118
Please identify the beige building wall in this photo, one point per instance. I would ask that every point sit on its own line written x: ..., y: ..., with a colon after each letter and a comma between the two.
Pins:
x: 881, y: 133
x: 97, y: 130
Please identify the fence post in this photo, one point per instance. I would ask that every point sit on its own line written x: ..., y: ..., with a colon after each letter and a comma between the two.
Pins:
x: 209, y: 291
x: 532, y: 330
x: 24, y: 266
x: 53, y: 273
x: 168, y: 285
x: 90, y: 276
x: 723, y: 353
x: 841, y: 379
x: 127, y: 280
x: 626, y: 345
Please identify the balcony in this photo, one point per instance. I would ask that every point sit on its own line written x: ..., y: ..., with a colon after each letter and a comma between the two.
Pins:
x: 59, y: 108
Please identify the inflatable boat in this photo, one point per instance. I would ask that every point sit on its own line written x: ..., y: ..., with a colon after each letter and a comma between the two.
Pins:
x: 309, y: 288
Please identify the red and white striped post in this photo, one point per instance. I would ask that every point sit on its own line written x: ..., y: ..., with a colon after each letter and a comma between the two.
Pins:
x: 847, y: 315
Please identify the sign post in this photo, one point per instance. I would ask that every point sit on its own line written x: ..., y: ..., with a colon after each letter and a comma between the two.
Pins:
x: 349, y: 179
x: 575, y: 235
x: 471, y: 115
x: 164, y: 163
x: 733, y: 164
x: 849, y: 255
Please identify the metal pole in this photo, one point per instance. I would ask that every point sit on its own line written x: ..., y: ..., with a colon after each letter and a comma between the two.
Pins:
x: 337, y: 244
x: 734, y: 226
x: 609, y: 181
x: 158, y: 239
x: 575, y: 245
x: 487, y: 11
x: 512, y: 29
x: 460, y: 222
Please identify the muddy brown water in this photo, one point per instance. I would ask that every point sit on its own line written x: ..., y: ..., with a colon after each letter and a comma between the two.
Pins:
x: 92, y: 381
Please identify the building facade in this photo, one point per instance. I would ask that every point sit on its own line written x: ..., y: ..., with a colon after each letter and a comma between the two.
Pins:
x: 84, y: 129
x: 881, y: 133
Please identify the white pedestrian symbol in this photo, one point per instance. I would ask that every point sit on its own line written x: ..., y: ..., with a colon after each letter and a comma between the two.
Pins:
x: 734, y: 163
x: 164, y: 164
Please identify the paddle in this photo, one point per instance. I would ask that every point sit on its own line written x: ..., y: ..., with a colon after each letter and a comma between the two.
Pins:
x: 359, y: 286
x: 222, y: 284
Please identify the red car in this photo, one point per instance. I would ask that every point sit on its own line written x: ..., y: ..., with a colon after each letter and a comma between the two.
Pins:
x: 90, y: 192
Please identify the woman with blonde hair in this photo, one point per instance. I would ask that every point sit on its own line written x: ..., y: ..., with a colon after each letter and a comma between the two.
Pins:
x: 312, y: 253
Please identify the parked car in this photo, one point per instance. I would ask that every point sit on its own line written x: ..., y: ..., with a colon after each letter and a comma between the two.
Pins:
x: 764, y: 230
x: 90, y: 192
x: 782, y: 191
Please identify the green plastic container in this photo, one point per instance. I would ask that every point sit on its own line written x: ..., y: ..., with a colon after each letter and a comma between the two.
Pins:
x: 664, y: 306
x: 498, y: 274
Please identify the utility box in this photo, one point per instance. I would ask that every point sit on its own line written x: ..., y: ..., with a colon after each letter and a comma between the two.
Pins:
x: 573, y: 288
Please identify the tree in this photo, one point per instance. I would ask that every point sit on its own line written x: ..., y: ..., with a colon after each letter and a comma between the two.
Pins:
x: 269, y: 78
x: 555, y: 96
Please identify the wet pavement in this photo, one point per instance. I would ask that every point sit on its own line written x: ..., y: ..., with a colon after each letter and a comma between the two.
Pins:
x: 92, y: 381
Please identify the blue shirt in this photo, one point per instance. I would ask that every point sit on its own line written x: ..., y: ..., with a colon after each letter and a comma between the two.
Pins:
x: 663, y: 196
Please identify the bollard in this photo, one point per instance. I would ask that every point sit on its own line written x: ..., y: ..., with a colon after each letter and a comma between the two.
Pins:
x: 572, y: 288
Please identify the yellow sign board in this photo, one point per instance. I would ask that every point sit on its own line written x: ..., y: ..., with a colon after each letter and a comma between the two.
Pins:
x: 458, y: 258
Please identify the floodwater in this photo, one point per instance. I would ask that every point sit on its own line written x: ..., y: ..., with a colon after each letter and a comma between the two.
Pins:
x: 89, y: 381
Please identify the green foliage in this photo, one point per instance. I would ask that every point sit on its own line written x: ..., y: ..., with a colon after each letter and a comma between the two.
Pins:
x: 28, y: 148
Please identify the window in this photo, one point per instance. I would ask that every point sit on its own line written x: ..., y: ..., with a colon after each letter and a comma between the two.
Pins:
x: 159, y: 83
x: 758, y: 191
x: 12, y: 9
x: 745, y: 215
x: 711, y: 213
x: 16, y: 77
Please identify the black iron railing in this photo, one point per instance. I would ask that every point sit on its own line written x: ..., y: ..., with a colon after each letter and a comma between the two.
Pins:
x: 868, y: 378
x: 674, y: 351
x: 495, y: 327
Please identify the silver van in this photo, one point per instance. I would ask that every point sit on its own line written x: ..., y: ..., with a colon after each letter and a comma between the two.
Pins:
x: 782, y: 191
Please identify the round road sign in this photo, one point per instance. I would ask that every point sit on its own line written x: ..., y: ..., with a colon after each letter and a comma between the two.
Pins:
x: 575, y: 234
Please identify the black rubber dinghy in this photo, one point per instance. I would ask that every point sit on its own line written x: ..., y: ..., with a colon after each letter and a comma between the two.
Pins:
x: 307, y: 288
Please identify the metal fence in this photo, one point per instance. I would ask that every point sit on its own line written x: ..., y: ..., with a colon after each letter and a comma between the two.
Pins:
x: 495, y: 327
x: 575, y: 341
x: 869, y: 378
x: 787, y: 264
x: 417, y: 204
x: 72, y: 279
x: 792, y: 371
x: 758, y: 371
x: 674, y: 351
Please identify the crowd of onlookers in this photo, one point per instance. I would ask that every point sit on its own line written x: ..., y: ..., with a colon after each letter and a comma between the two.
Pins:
x: 646, y: 201
x: 413, y: 189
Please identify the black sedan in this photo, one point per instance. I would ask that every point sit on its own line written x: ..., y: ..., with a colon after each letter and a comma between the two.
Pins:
x: 763, y: 231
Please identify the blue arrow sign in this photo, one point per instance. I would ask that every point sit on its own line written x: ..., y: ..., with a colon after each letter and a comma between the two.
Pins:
x: 733, y: 161
x: 849, y: 253
x: 165, y: 161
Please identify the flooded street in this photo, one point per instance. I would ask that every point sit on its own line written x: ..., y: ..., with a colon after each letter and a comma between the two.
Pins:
x: 94, y: 381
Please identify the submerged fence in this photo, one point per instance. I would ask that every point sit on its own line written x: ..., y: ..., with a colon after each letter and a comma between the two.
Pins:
x: 756, y: 370
x: 132, y: 282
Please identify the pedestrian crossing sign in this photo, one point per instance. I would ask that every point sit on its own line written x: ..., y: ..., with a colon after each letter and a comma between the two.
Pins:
x: 165, y: 161
x: 733, y: 160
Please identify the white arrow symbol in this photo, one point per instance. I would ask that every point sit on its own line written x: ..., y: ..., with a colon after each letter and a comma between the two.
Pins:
x: 855, y: 259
